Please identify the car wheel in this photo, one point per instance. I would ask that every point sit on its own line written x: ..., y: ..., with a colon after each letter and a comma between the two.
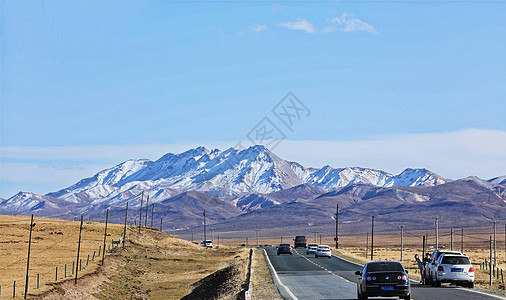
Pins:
x: 408, y: 297
x: 278, y: 254
x: 470, y: 285
x: 291, y: 253
x: 315, y: 256
x: 436, y: 283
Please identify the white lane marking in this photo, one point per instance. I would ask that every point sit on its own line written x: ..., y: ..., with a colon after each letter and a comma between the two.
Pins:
x: 277, y: 277
x: 482, y: 293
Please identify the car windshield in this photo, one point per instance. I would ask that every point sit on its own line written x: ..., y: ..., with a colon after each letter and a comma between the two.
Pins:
x: 313, y: 245
x: 300, y: 238
x: 384, y: 266
x: 284, y: 245
x: 324, y: 248
x: 456, y: 260
x: 207, y: 242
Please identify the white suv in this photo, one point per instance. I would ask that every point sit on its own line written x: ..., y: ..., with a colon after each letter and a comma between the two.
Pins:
x: 323, y: 250
x: 207, y: 244
x: 311, y: 248
x: 455, y: 269
x: 430, y: 267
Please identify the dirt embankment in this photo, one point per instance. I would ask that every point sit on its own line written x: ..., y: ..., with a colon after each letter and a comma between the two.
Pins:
x: 155, y: 265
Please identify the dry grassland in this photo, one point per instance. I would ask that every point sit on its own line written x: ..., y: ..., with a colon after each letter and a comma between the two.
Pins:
x: 54, y: 244
x: 153, y: 265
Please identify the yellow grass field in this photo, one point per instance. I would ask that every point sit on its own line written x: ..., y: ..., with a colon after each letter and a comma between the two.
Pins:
x: 54, y: 244
x: 153, y: 265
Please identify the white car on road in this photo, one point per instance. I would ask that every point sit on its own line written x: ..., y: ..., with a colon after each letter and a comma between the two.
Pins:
x: 430, y: 267
x: 323, y: 250
x: 207, y: 244
x: 453, y: 268
x: 311, y: 248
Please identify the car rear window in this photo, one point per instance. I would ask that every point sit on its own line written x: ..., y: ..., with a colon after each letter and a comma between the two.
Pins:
x: 284, y: 245
x: 384, y: 266
x: 456, y: 260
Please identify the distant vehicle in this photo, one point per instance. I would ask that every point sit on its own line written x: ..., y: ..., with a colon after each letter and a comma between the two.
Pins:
x: 300, y: 241
x: 284, y: 249
x: 452, y: 268
x: 324, y: 251
x: 383, y: 279
x: 430, y: 267
x: 311, y: 248
x: 207, y: 244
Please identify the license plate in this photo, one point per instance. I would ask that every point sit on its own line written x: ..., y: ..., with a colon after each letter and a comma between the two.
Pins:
x: 456, y: 270
x: 387, y: 288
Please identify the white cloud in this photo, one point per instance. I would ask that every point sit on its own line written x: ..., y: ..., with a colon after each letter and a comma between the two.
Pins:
x: 451, y: 154
x: 349, y: 23
x: 258, y: 27
x: 300, y: 24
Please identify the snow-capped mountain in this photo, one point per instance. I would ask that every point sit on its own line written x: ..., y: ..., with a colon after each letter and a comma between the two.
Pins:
x: 226, y: 174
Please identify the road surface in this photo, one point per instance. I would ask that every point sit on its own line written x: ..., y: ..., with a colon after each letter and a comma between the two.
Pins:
x: 305, y: 277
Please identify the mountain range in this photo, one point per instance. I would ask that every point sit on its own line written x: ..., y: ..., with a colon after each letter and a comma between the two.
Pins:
x: 254, y: 188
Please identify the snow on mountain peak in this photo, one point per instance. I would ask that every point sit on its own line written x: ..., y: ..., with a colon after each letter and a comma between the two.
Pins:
x: 226, y: 174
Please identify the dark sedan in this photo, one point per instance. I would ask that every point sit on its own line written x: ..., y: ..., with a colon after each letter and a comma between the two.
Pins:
x: 383, y: 279
x: 284, y: 249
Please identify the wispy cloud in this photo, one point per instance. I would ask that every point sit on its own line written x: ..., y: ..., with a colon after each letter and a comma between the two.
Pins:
x: 258, y: 27
x: 348, y: 23
x: 300, y: 24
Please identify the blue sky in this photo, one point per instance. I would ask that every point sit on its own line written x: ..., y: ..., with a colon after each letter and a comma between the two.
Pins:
x: 159, y: 76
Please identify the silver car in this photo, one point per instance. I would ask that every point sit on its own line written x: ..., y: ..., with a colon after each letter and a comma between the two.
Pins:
x: 323, y: 251
x: 311, y: 248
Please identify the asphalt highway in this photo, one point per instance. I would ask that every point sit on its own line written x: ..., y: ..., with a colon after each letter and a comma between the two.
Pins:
x: 306, y: 277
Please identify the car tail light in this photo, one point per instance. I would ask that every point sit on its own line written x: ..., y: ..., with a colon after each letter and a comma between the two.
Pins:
x: 471, y: 269
x: 369, y: 278
x: 403, y: 277
x: 440, y: 269
x: 374, y: 278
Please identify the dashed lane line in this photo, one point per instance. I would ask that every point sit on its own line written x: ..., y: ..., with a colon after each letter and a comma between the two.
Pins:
x: 320, y: 266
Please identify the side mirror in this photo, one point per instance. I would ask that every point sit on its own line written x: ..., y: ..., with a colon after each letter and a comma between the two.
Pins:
x: 358, y: 273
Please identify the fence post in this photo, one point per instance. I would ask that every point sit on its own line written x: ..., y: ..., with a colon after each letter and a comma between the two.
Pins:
x: 88, y: 260
x: 105, y: 233
x: 65, y: 270
x: 38, y: 280
x: 93, y: 256
x: 99, y: 250
x: 73, y: 266
x: 14, y: 290
x: 56, y: 277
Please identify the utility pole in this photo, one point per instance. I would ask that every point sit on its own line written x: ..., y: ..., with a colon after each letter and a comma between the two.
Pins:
x: 462, y: 240
x: 192, y: 237
x: 437, y: 232
x: 140, y: 212
x: 451, y: 239
x: 205, y: 236
x: 423, y: 246
x: 367, y: 245
x: 161, y: 223
x: 490, y: 261
x: 79, y: 248
x: 256, y: 231
x: 402, y: 239
x: 105, y: 235
x: 212, y: 234
x: 124, y: 228
x: 495, y: 245
x: 152, y: 213
x: 372, y: 239
x: 28, y: 259
x: 320, y: 238
x: 146, y: 218
x: 337, y: 226
x: 315, y: 238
